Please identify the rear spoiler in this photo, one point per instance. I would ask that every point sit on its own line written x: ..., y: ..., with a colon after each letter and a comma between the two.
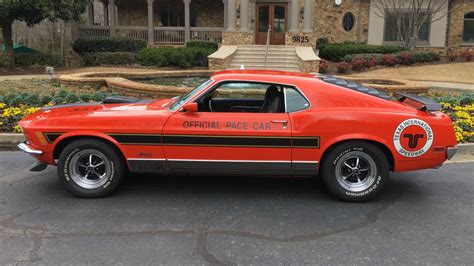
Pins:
x: 424, y: 104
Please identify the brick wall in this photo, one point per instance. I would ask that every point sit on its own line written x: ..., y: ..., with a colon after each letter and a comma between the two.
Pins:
x: 328, y: 20
x: 456, y: 23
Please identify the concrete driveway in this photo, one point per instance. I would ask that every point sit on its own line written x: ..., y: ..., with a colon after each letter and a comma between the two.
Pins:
x: 422, y: 217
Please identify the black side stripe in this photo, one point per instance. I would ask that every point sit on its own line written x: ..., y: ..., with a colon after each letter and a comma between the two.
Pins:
x: 51, y: 137
x: 217, y: 141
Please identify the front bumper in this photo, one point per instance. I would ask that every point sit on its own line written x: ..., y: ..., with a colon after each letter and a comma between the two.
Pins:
x: 24, y: 147
x: 451, y: 151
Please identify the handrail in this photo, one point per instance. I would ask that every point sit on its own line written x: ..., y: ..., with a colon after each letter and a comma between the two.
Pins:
x: 267, y: 45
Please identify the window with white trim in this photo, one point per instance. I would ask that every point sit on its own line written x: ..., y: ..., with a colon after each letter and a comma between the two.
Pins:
x: 468, y: 30
x: 391, y: 32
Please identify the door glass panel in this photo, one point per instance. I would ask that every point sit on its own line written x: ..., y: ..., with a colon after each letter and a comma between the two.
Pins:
x: 279, y: 19
x: 263, y: 18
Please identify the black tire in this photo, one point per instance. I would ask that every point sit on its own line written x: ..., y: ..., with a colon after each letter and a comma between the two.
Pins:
x: 350, y: 183
x: 71, y: 168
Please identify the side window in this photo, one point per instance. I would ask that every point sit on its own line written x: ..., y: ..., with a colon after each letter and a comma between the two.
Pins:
x: 295, y: 101
x: 243, y: 97
x: 240, y: 90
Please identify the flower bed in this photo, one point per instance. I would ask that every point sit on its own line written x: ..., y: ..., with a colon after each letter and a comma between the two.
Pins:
x: 461, y: 111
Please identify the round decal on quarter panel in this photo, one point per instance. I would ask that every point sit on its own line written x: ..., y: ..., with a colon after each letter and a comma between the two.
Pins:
x: 413, y: 138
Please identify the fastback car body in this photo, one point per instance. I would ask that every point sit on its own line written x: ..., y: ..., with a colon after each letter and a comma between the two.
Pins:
x: 245, y: 122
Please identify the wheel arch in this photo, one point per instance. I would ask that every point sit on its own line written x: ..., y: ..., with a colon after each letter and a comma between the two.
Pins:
x: 375, y: 141
x: 68, y: 138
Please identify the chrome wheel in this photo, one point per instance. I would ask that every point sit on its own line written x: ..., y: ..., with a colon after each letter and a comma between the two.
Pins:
x: 356, y: 171
x: 90, y: 169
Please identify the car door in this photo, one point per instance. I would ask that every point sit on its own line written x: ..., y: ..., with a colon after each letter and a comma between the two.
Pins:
x: 240, y: 140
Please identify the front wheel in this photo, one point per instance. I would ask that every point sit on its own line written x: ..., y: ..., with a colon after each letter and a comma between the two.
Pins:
x: 90, y: 168
x: 355, y: 171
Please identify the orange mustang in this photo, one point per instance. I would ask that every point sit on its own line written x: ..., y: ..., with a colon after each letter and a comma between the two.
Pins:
x: 245, y: 123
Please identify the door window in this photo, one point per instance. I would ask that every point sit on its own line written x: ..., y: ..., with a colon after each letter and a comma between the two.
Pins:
x: 263, y: 18
x: 243, y: 97
x: 279, y: 19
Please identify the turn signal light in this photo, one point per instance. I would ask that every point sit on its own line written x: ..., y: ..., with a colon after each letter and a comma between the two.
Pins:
x: 41, y: 138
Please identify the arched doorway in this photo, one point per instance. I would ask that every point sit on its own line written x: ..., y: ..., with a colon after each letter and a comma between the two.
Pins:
x: 273, y: 16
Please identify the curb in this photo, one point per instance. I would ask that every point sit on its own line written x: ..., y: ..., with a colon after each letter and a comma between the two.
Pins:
x: 8, y: 141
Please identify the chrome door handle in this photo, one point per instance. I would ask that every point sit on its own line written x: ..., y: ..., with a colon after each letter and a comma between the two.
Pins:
x: 283, y: 122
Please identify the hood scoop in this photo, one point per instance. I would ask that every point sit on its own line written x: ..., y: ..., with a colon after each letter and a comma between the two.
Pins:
x: 120, y: 99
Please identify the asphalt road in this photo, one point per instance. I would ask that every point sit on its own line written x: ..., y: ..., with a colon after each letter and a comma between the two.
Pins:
x: 423, y: 217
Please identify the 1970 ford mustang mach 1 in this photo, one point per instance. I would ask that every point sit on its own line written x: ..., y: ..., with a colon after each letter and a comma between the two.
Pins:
x: 245, y: 123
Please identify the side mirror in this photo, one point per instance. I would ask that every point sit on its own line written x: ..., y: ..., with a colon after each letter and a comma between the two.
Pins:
x: 190, y: 108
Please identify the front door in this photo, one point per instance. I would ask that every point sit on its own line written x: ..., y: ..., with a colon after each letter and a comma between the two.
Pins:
x: 271, y: 16
x: 234, y: 132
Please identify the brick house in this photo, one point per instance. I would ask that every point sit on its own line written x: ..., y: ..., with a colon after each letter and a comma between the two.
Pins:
x: 243, y: 24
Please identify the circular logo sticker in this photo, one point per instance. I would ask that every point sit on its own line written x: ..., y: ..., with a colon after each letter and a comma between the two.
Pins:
x: 413, y: 138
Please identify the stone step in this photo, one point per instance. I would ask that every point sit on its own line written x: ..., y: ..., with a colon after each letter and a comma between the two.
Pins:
x: 281, y: 58
x: 270, y: 54
x: 262, y: 65
x: 293, y: 69
x: 261, y: 61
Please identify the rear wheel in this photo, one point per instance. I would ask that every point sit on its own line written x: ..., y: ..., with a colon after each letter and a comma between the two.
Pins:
x: 355, y: 171
x: 90, y: 168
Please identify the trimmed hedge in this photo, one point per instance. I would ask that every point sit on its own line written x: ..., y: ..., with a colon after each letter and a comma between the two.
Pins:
x: 336, y: 52
x: 61, y: 97
x: 179, y: 57
x: 201, y: 44
x: 38, y: 59
x: 106, y: 58
x: 107, y: 44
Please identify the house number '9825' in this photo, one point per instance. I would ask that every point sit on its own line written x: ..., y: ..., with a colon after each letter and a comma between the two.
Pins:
x: 300, y: 38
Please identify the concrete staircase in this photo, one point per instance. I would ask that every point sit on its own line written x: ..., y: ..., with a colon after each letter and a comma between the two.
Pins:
x: 253, y: 57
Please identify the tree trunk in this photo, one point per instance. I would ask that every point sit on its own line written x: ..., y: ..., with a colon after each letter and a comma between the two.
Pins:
x: 7, y: 38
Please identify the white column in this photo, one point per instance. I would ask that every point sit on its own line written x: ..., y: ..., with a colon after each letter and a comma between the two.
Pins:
x: 244, y: 15
x: 308, y: 16
x: 295, y: 15
x: 231, y: 17
x: 113, y: 18
x: 225, y: 13
x: 105, y: 7
x: 151, y: 35
x: 90, y: 13
x: 187, y: 20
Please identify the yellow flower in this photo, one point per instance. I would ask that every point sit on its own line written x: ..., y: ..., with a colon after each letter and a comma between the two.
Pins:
x: 17, y: 129
x: 2, y: 105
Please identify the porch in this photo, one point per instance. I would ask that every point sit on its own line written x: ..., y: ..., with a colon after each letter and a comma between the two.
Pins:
x: 155, y: 21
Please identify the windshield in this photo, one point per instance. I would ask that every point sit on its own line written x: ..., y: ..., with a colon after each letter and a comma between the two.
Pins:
x: 181, y: 100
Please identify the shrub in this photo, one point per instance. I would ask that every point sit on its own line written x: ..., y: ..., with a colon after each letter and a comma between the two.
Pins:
x: 372, y: 62
x: 202, y: 44
x: 389, y: 60
x: 336, y: 52
x: 358, y: 64
x: 180, y: 57
x: 321, y: 42
x: 107, y: 58
x: 467, y: 55
x: 342, y: 67
x: 348, y: 58
x: 4, y: 60
x: 323, y: 67
x: 405, y: 58
x: 107, y: 44
x: 37, y: 59
x: 452, y: 56
x: 421, y: 57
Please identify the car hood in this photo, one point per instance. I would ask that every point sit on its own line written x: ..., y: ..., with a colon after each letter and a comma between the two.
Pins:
x: 97, y: 115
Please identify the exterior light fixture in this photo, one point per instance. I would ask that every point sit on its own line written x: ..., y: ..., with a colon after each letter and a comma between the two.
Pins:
x: 338, y: 2
x: 302, y: 13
